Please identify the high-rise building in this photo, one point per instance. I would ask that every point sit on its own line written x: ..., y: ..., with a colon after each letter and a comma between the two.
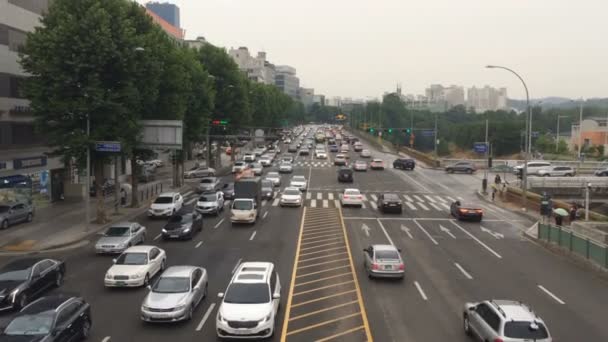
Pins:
x: 306, y: 96
x: 257, y: 68
x: 173, y: 31
x: 286, y: 80
x: 169, y: 12
x: 486, y: 98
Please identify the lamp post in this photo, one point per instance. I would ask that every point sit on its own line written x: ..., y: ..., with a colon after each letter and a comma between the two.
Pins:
x: 557, y: 133
x: 580, y: 131
x: 528, y: 134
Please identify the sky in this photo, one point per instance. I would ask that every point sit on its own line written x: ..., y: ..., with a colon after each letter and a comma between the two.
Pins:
x: 362, y: 48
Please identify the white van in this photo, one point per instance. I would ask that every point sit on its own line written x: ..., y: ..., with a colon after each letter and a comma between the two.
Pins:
x: 533, y: 167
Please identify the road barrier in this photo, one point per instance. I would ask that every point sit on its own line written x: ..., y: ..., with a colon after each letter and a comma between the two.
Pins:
x: 581, y: 168
x: 575, y: 243
x: 150, y: 191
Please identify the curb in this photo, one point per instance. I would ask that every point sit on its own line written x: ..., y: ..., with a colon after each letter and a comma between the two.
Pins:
x: 517, y: 212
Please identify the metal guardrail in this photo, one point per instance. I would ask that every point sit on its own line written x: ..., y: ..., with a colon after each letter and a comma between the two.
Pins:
x: 585, y: 168
x: 567, y: 182
x: 575, y: 243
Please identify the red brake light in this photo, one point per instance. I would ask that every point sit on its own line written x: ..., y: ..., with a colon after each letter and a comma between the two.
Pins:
x: 374, y: 266
x: 464, y: 211
x: 360, y: 197
x: 498, y: 340
x: 401, y: 267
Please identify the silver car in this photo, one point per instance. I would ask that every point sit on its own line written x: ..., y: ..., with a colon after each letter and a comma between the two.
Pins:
x: 11, y: 213
x: 286, y: 167
x: 119, y: 237
x: 274, y: 177
x: 383, y: 261
x: 175, y: 295
x: 200, y: 172
x: 209, y: 184
x: 257, y: 169
x: 503, y: 320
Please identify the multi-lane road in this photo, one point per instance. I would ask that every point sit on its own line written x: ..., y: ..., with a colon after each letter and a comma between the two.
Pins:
x: 318, y: 253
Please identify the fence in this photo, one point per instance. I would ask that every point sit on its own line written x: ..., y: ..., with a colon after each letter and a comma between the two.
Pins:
x: 577, y: 244
x: 149, y: 191
x: 588, y: 167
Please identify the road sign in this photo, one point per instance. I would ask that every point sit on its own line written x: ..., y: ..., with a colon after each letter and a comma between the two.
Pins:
x: 107, y: 146
x: 535, y: 134
x: 480, y: 147
x: 428, y: 133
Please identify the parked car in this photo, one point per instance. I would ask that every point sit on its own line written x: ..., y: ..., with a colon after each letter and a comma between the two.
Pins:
x: 557, y: 171
x: 601, y: 172
x: 383, y: 261
x: 14, y: 212
x: 23, y: 280
x: 466, y: 211
x: 462, y: 166
x: 533, y: 167
x: 377, y: 164
x: 360, y: 165
x: 200, y: 172
x: 175, y: 295
x: 166, y: 204
x: 404, y: 164
x: 503, y: 320
x: 211, y: 202
x: 291, y: 196
x: 209, y: 184
x: 249, y: 307
x: 228, y: 190
x: 119, y: 237
x: 274, y: 177
x: 267, y: 189
x: 135, y: 267
x: 390, y: 203
x: 55, y: 318
x: 183, y: 225
x: 345, y: 175
x: 351, y: 197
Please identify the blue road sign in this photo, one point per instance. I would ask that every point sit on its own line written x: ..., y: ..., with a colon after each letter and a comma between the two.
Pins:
x: 107, y: 146
x: 428, y: 133
x: 480, y: 147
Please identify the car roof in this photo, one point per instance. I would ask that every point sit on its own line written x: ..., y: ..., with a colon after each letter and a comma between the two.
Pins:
x: 123, y: 224
x: 253, y: 272
x: 292, y: 188
x: 46, y: 303
x: 385, y: 248
x: 514, y: 310
x: 178, y: 271
x: 351, y: 189
x: 22, y: 263
x: 139, y: 249
x: 168, y: 194
x: 390, y: 195
x: 377, y: 160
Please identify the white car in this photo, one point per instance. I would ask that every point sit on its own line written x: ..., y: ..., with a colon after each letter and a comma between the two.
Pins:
x: 135, y: 267
x: 244, y: 210
x: 175, y: 295
x: 249, y: 157
x: 351, y: 197
x: 340, y: 159
x: 266, y: 161
x: 321, y: 154
x: 239, y: 166
x: 274, y: 177
x: 259, y: 151
x: 291, y: 197
x: 210, y: 203
x: 251, y: 302
x: 166, y: 204
x: 299, y: 182
x: 366, y: 154
x: 286, y: 167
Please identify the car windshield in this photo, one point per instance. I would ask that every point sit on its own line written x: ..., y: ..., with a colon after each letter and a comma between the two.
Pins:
x: 132, y: 259
x: 239, y: 293
x: 117, y: 231
x: 4, y: 208
x: 352, y: 192
x: 291, y: 192
x: 391, y: 255
x: 207, y: 198
x: 272, y: 175
x: 267, y: 184
x: 15, y: 275
x: 239, y: 164
x: 207, y: 180
x: 185, y: 218
x: 299, y: 179
x: 39, y: 324
x: 164, y: 200
x: 523, y: 330
x: 242, y: 205
x: 172, y: 285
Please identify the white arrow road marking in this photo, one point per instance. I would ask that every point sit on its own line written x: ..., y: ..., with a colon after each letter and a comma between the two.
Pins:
x: 477, y: 240
x: 205, y: 317
x: 495, y: 235
x: 407, y: 231
x: 447, y: 231
x: 191, y: 201
x: 157, y: 237
x: 425, y: 232
x: 365, y: 228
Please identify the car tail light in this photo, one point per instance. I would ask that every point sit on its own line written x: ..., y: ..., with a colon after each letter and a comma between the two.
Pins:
x: 401, y: 267
x: 375, y: 266
x: 360, y: 197
x: 463, y: 211
x: 498, y: 340
x: 479, y: 211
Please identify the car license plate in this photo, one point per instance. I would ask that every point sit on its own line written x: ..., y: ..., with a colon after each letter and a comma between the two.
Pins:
x: 388, y: 267
x: 121, y: 283
x: 392, y: 205
x: 174, y: 236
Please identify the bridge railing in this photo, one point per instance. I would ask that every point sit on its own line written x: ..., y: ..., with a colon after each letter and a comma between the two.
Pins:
x: 567, y: 182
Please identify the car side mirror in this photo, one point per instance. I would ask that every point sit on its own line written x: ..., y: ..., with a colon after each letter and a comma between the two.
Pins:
x: 113, y: 261
x: 276, y: 296
x: 149, y: 287
x: 399, y: 249
x: 472, y: 308
x: 220, y: 295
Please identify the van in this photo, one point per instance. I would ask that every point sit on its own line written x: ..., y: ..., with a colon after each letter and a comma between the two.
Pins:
x: 533, y: 167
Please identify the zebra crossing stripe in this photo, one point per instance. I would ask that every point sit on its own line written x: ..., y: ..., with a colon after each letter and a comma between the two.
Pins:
x: 441, y: 200
x: 460, y: 198
x: 330, y: 196
x: 364, y: 197
x: 408, y: 198
x: 191, y: 201
x: 325, y: 204
x: 308, y: 195
x: 313, y: 203
x: 373, y: 204
x: 411, y: 206
x: 275, y: 202
x: 429, y: 198
x: 450, y: 198
x: 418, y: 198
x: 421, y: 205
x: 435, y: 206
x: 374, y: 197
x: 445, y: 206
x: 319, y: 195
x: 264, y: 202
x: 363, y: 205
x: 337, y: 203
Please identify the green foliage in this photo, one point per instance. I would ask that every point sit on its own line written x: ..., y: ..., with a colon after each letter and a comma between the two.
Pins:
x: 562, y: 147
x: 545, y: 143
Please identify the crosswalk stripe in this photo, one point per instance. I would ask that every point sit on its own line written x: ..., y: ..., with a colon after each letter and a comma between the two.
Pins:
x: 330, y: 196
x: 408, y: 198
x: 337, y: 203
x: 460, y: 198
x: 441, y: 199
x: 264, y: 202
x: 363, y: 205
x: 187, y: 193
x: 275, y: 202
x: 429, y: 198
x: 434, y: 205
x: 325, y: 203
x: 313, y: 203
x: 227, y: 203
x: 418, y: 198
x: 364, y: 197
x: 374, y: 197
x: 421, y: 205
x: 410, y: 205
x: 319, y: 195
x: 447, y: 207
x: 450, y: 198
x: 373, y: 204
x: 308, y: 195
x: 191, y: 201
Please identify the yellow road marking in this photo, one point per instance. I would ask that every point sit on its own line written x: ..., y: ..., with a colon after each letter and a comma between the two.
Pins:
x: 322, y: 310
x: 321, y: 236
x: 321, y: 257
x: 332, y: 239
x: 310, y: 227
x: 323, y: 263
x: 322, y: 279
x: 327, y: 244
x: 323, y: 287
x: 322, y: 323
x: 323, y: 232
x: 357, y: 288
x: 22, y: 246
x: 341, y: 334
x: 317, y: 272
x: 323, y: 298
x: 325, y: 250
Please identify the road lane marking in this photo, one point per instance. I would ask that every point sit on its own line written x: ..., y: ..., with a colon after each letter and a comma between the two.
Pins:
x: 106, y: 339
x: 418, y: 198
x: 323, y: 251
x: 460, y: 198
x: 363, y: 197
x: 253, y: 235
x: 323, y: 310
x: 187, y: 193
x: 447, y: 231
x: 374, y: 205
x: 330, y: 196
x: 322, y: 237
x: 319, y: 195
x: 323, y: 263
x: 363, y: 205
x: 421, y: 205
x: 313, y: 203
x: 264, y: 202
x: 321, y: 257
x: 478, y: 241
x: 436, y: 206
x: 324, y: 287
x: 198, y: 244
x: 205, y: 317
x: 440, y: 199
x: 322, y: 271
x: 308, y: 195
x: 551, y: 294
x: 323, y: 245
x: 191, y: 201
x: 322, y: 279
x: 431, y: 200
x: 410, y: 205
x: 346, y: 332
x: 385, y: 233
x: 337, y: 203
x: 326, y: 323
x: 265, y: 214
x: 408, y: 198
x: 466, y: 274
x: 422, y: 294
x: 338, y: 239
x: 374, y: 197
x: 237, y: 265
x: 407, y: 231
x: 218, y: 224
x: 325, y: 204
x: 425, y: 232
x: 276, y: 202
x: 157, y: 237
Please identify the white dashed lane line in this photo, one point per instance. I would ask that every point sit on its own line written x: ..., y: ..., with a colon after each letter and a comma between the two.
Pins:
x: 253, y: 235
x: 205, y: 317
x: 218, y: 224
x: 551, y: 294
x: 466, y: 274
x: 198, y: 244
x: 106, y: 339
x: 421, y: 291
x: 157, y: 237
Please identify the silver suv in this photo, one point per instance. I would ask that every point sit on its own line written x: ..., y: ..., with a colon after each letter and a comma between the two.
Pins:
x: 11, y: 213
x: 503, y: 320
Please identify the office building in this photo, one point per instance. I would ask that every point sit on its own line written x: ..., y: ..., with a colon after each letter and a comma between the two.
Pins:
x: 169, y: 12
x: 257, y: 68
x: 173, y: 31
x: 306, y: 96
x: 486, y: 98
x: 443, y: 98
x: 287, y: 81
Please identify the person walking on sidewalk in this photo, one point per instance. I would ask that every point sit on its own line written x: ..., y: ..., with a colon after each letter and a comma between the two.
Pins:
x: 558, y: 220
x: 123, y: 197
x: 494, y: 190
x: 572, y: 213
x: 497, y: 180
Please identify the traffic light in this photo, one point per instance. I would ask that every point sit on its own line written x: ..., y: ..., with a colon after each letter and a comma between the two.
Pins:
x: 408, y: 130
x: 390, y: 131
x: 219, y: 122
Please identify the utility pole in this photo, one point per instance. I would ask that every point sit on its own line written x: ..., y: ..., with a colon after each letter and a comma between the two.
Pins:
x: 485, y: 173
x: 580, y: 131
x: 87, y: 203
x: 436, y: 134
x: 208, y: 154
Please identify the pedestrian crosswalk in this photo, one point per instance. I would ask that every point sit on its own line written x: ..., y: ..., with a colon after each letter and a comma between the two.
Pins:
x: 313, y: 163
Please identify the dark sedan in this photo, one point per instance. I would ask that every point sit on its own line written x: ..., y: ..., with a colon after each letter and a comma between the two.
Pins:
x: 463, y: 166
x: 466, y: 211
x: 183, y: 226
x: 390, y: 203
x: 267, y: 189
x: 56, y: 318
x: 404, y: 164
x: 25, y: 279
x: 228, y: 190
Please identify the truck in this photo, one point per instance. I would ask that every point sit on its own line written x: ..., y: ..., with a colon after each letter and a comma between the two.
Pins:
x: 247, y: 198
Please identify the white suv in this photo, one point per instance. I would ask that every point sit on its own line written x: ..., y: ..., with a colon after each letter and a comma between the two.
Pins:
x: 251, y: 302
x: 166, y: 204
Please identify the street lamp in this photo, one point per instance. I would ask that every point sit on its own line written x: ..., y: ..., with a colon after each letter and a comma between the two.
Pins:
x: 557, y: 133
x: 528, y: 134
x: 580, y: 130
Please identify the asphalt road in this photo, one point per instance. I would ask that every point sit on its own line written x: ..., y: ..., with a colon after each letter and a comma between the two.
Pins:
x: 447, y: 263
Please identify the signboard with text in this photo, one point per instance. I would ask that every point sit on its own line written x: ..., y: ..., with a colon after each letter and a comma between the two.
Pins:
x: 480, y: 147
x: 108, y: 146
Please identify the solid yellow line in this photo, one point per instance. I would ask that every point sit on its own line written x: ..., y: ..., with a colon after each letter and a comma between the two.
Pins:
x: 323, y: 323
x: 321, y: 236
x: 322, y: 263
x: 322, y: 310
x: 325, y: 250
x: 323, y: 298
x: 321, y: 257
x: 293, y: 280
x: 323, y: 287
x: 340, y: 334
x: 357, y: 288
x: 318, y: 280
x: 317, y: 272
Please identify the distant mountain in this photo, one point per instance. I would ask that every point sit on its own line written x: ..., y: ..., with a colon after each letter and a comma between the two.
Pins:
x: 557, y: 102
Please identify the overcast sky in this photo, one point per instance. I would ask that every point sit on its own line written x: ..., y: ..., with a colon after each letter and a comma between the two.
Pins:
x: 361, y: 48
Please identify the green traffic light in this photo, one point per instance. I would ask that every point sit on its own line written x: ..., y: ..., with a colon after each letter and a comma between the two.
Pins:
x: 390, y: 130
x: 371, y: 130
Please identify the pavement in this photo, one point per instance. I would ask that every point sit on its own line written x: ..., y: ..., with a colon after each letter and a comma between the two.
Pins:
x: 326, y: 295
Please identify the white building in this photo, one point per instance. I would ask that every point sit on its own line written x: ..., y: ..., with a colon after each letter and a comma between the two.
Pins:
x: 306, y: 96
x: 487, y: 98
x: 257, y: 68
x: 197, y: 43
x: 441, y: 97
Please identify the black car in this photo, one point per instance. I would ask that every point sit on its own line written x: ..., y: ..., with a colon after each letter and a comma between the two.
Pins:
x: 183, y: 225
x: 462, y: 166
x: 267, y: 189
x: 228, y: 190
x: 345, y: 175
x: 304, y: 152
x: 404, y: 164
x: 25, y: 279
x: 390, y: 203
x: 466, y: 211
x: 56, y: 318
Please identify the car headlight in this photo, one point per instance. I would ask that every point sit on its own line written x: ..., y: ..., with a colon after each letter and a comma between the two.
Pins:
x: 13, y: 295
x: 109, y: 276
x: 220, y: 317
x: 147, y: 308
x: 137, y: 275
x: 179, y: 307
x: 267, y: 318
x: 164, y: 230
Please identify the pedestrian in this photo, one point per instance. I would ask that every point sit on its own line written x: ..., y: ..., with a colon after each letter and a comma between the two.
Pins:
x: 558, y: 220
x: 573, y: 210
x: 123, y: 197
x: 494, y: 189
x: 497, y: 180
